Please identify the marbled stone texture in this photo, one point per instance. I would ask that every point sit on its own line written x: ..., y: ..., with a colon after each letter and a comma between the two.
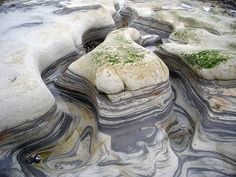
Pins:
x: 184, y: 126
x: 33, y: 36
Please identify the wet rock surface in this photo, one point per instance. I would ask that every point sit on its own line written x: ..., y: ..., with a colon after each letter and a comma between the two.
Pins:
x: 66, y: 126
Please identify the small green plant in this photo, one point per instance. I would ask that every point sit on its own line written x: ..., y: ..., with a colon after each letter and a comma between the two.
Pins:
x: 205, y: 59
x: 113, y: 61
x: 129, y: 61
x: 181, y: 34
x: 124, y: 53
x: 186, y: 35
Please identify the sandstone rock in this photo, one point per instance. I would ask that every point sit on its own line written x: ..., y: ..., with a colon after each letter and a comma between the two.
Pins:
x: 119, y: 63
x: 109, y: 81
x: 182, y: 126
x: 42, y: 34
x: 196, y: 27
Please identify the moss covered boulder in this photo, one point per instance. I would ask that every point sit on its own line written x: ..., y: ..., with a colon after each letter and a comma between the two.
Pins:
x: 119, y: 64
x: 201, y: 34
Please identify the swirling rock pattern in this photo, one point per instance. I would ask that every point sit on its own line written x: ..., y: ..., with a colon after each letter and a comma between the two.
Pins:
x: 54, y: 29
x: 182, y: 127
x: 195, y: 28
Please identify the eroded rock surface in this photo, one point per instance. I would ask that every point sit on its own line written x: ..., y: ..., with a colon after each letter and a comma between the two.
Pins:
x: 120, y: 64
x: 106, y: 114
x: 196, y: 27
x: 41, y: 34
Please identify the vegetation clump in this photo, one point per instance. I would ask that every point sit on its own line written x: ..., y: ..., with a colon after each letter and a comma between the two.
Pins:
x: 124, y: 53
x: 186, y: 35
x: 102, y: 57
x: 205, y: 59
x: 182, y: 34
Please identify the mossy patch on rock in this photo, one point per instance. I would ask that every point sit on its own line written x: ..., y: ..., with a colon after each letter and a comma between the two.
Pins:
x: 194, y: 27
x: 185, y: 35
x: 205, y: 59
x: 122, y: 53
x: 120, y: 64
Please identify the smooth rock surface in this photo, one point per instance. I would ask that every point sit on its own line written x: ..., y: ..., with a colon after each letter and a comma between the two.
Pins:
x: 196, y: 27
x: 184, y: 126
x: 119, y: 63
x: 41, y: 34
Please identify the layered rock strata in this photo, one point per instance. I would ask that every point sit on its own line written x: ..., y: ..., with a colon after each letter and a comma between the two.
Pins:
x: 43, y: 33
x: 201, y: 34
x: 134, y: 81
x: 198, y: 47
x: 181, y: 127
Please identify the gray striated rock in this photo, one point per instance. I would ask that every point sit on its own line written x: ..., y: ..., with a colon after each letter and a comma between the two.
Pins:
x: 195, y: 30
x: 183, y: 126
x: 54, y: 29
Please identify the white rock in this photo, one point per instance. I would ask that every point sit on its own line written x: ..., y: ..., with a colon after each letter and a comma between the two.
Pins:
x: 119, y: 63
x: 27, y: 50
x: 108, y: 81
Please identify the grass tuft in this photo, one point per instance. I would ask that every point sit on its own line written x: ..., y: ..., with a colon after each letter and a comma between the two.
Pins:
x: 125, y: 52
x: 205, y: 59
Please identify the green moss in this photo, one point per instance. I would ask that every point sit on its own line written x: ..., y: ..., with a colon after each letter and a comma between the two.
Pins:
x: 102, y: 57
x: 124, y: 53
x: 113, y: 61
x: 205, y: 59
x: 181, y: 34
x: 186, y: 35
